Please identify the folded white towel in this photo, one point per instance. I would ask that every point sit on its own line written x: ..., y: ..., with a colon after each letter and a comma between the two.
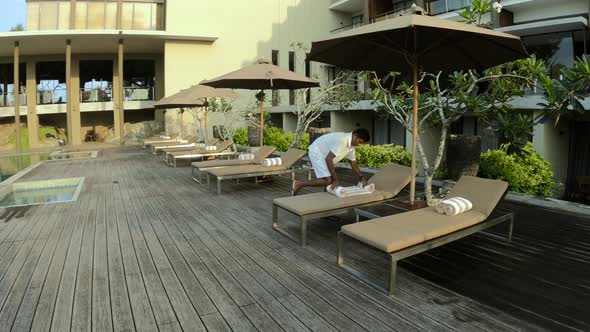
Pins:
x: 246, y: 156
x: 183, y: 141
x: 352, y: 190
x: 199, y: 145
x: 210, y: 148
x: 454, y: 206
x: 164, y: 137
x: 268, y: 162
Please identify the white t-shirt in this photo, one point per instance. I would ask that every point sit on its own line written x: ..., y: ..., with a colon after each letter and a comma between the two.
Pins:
x: 337, y: 143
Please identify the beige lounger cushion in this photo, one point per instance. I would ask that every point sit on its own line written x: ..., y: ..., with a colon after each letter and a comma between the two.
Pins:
x: 392, y: 178
x: 221, y: 146
x: 246, y: 169
x: 323, y: 201
x: 292, y: 156
x: 485, y: 194
x: 263, y: 152
x: 407, y: 229
x: 389, y: 181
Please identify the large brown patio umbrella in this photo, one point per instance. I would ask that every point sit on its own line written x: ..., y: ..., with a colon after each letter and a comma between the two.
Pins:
x: 262, y: 75
x: 414, y: 42
x: 195, y: 96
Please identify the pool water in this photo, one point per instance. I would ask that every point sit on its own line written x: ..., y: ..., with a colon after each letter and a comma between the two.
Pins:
x: 41, y: 192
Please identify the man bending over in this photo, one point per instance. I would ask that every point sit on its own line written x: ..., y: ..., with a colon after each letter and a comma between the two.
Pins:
x: 326, y: 151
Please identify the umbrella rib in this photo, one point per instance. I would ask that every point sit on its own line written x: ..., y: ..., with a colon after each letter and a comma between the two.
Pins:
x: 437, y: 44
x: 462, y: 49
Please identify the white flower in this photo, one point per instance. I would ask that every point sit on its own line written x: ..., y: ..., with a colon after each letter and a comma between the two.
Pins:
x: 497, y: 6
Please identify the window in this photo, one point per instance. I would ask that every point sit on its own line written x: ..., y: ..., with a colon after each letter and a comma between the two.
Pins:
x: 275, y: 93
x: 292, y: 68
x: 557, y: 49
x: 50, y: 15
x: 357, y: 21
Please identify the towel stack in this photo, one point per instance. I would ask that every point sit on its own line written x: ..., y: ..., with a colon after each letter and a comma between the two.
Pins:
x: 352, y: 190
x: 183, y: 141
x: 246, y: 156
x: 199, y: 145
x: 164, y: 137
x: 210, y: 148
x: 272, y: 162
x: 454, y: 206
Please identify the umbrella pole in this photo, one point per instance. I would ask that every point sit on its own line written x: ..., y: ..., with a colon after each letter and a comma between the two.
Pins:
x: 414, y: 133
x: 261, y: 117
x: 206, y: 120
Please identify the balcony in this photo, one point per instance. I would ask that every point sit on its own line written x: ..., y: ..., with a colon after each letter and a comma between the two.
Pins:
x: 53, y: 96
x: 139, y: 93
x: 96, y: 95
x: 398, y: 8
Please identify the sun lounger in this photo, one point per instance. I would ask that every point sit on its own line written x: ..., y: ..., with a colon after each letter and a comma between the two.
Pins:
x: 184, y: 150
x: 222, y: 148
x: 410, y: 233
x: 389, y: 181
x: 184, y: 141
x: 155, y: 140
x: 289, y: 159
x: 201, y: 167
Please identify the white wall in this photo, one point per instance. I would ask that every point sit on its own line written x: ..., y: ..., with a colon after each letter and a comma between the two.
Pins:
x: 346, y: 121
x: 552, y: 142
x: 247, y: 30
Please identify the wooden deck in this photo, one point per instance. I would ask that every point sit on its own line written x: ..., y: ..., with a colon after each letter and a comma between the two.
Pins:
x: 145, y: 248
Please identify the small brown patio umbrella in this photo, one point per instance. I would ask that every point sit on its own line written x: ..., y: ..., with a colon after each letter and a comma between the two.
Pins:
x: 414, y: 42
x: 262, y: 75
x: 195, y: 96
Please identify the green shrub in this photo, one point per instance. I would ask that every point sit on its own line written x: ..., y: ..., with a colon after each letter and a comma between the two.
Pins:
x: 241, y: 136
x: 376, y: 156
x: 526, y: 173
x: 278, y: 138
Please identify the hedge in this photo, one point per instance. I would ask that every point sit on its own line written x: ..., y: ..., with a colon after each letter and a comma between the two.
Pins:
x: 526, y: 172
x: 375, y: 156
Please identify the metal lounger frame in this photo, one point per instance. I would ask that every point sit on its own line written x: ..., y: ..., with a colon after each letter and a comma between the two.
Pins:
x: 198, y: 178
x: 247, y: 175
x: 419, y: 248
x: 157, y: 149
x: 303, y: 219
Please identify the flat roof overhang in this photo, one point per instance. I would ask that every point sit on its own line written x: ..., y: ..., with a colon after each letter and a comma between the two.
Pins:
x: 48, y: 42
x: 547, y: 26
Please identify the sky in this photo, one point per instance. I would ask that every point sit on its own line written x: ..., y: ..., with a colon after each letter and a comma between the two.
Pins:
x: 12, y: 13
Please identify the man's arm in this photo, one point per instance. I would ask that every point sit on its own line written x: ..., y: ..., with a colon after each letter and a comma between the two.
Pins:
x: 358, y: 172
x: 330, y: 164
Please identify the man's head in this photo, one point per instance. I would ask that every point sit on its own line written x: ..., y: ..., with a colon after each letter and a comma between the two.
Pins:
x: 360, y: 136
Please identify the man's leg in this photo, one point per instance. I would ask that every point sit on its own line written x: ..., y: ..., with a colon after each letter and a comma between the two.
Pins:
x: 321, y: 182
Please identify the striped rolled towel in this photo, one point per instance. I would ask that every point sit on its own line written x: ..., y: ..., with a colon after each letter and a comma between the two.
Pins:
x: 210, y: 148
x: 183, y: 141
x: 246, y: 156
x: 454, y: 206
x: 268, y: 162
x: 164, y: 137
x: 199, y: 145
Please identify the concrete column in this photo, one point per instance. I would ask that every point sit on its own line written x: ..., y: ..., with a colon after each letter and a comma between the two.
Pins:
x: 121, y: 118
x: 32, y: 117
x: 74, y: 100
x: 16, y: 93
x: 69, y: 128
x: 160, y: 90
x: 117, y: 91
x: 72, y: 14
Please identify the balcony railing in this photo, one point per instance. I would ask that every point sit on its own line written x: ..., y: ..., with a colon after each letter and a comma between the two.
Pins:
x: 437, y: 7
x: 96, y: 95
x: 139, y: 93
x: 47, y: 97
x: 400, y: 7
x: 7, y: 99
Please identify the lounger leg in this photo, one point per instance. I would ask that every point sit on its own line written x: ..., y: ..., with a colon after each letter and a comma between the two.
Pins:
x: 392, y: 276
x: 293, y: 176
x: 275, y: 216
x: 340, y: 254
x: 218, y: 186
x: 303, y: 231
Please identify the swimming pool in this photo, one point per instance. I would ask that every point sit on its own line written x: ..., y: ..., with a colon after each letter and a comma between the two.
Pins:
x: 40, y: 192
x: 12, y: 164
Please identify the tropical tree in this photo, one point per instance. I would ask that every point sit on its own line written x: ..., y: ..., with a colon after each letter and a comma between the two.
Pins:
x: 17, y: 27
x: 446, y: 99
